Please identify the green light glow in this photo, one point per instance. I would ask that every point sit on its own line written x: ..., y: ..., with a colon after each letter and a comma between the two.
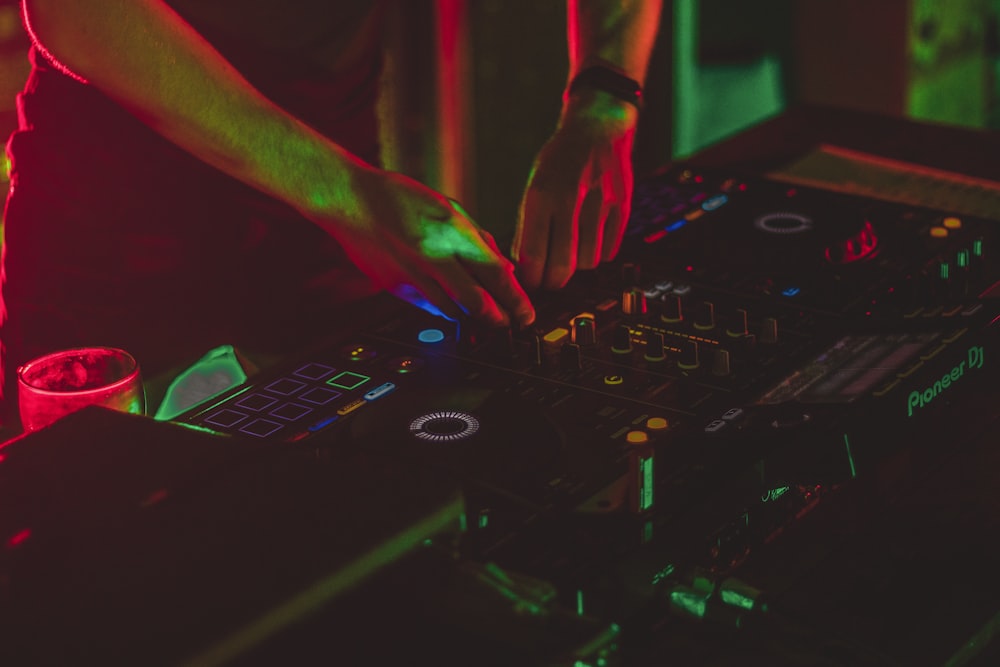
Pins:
x: 216, y: 372
x: 663, y: 574
x: 646, y: 489
x: 484, y: 520
x: 602, y: 645
x: 850, y: 457
x: 737, y: 599
x: 579, y: 602
x: 530, y: 596
x: 977, y: 247
x: 771, y: 496
x: 963, y: 259
x: 200, y: 429
x: 945, y: 270
x: 690, y: 601
x: 445, y: 240
x: 312, y: 599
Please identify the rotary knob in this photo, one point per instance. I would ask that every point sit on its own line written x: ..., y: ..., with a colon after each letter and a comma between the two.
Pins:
x: 583, y: 331
x: 720, y: 363
x: 634, y: 302
x: 654, y: 347
x: 622, y: 340
x: 705, y: 319
x: 769, y: 331
x: 673, y: 312
x: 689, y: 360
x: 737, y: 327
x: 570, y: 357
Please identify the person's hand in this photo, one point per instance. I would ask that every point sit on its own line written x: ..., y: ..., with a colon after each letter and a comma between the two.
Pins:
x: 576, y: 204
x: 414, y: 242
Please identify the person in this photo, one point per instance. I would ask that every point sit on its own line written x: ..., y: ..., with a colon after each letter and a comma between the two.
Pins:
x: 189, y: 173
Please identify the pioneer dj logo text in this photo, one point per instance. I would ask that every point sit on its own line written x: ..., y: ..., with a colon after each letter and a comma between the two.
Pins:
x: 917, y: 399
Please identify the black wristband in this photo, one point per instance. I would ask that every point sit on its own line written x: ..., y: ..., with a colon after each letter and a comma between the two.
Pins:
x: 609, y: 81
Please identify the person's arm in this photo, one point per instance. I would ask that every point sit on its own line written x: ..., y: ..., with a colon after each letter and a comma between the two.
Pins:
x: 148, y: 59
x: 578, y: 196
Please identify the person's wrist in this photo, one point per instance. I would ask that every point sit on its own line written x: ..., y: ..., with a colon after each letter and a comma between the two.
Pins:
x: 599, y: 107
x: 609, y: 79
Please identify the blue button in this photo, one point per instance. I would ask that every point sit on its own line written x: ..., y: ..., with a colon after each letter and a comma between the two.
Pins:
x: 430, y: 336
x: 380, y: 391
x: 715, y: 202
x: 790, y: 291
x: 323, y: 424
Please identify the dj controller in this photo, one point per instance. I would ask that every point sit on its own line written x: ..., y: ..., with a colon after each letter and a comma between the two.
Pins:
x: 757, y: 351
x: 757, y: 347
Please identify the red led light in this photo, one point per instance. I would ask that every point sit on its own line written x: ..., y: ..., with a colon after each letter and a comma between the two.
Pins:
x: 155, y: 497
x: 18, y: 538
x: 655, y: 236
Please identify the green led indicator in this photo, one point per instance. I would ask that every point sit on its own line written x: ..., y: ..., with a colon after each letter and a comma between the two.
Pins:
x: 850, y: 456
x: 663, y: 574
x: 348, y: 380
x: 646, y: 494
x: 945, y: 270
x: 977, y: 247
x: 963, y: 259
x: 579, y: 602
x: 647, y: 532
x: 484, y: 520
x: 737, y: 599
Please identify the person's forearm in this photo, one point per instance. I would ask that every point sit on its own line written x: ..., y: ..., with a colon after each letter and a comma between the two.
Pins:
x: 618, y: 33
x: 143, y: 55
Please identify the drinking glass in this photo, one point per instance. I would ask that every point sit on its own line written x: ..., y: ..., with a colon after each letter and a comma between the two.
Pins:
x: 62, y: 382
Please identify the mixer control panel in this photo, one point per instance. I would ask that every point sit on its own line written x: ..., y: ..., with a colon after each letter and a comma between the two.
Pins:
x: 754, y: 346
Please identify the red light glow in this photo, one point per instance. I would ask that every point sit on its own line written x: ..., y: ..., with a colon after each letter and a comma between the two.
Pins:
x: 155, y: 497
x: 19, y: 538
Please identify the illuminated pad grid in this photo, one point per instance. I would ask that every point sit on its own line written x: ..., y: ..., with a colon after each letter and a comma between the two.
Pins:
x: 302, y: 401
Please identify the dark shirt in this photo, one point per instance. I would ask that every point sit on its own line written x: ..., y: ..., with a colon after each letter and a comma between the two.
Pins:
x: 114, y: 236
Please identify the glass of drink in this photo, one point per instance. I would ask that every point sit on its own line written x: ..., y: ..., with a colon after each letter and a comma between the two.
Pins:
x: 59, y: 383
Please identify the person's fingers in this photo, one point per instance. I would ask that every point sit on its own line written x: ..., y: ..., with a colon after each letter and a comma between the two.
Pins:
x: 614, y: 230
x: 564, y: 239
x: 591, y: 225
x: 461, y: 279
x: 499, y: 282
x: 531, y: 240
